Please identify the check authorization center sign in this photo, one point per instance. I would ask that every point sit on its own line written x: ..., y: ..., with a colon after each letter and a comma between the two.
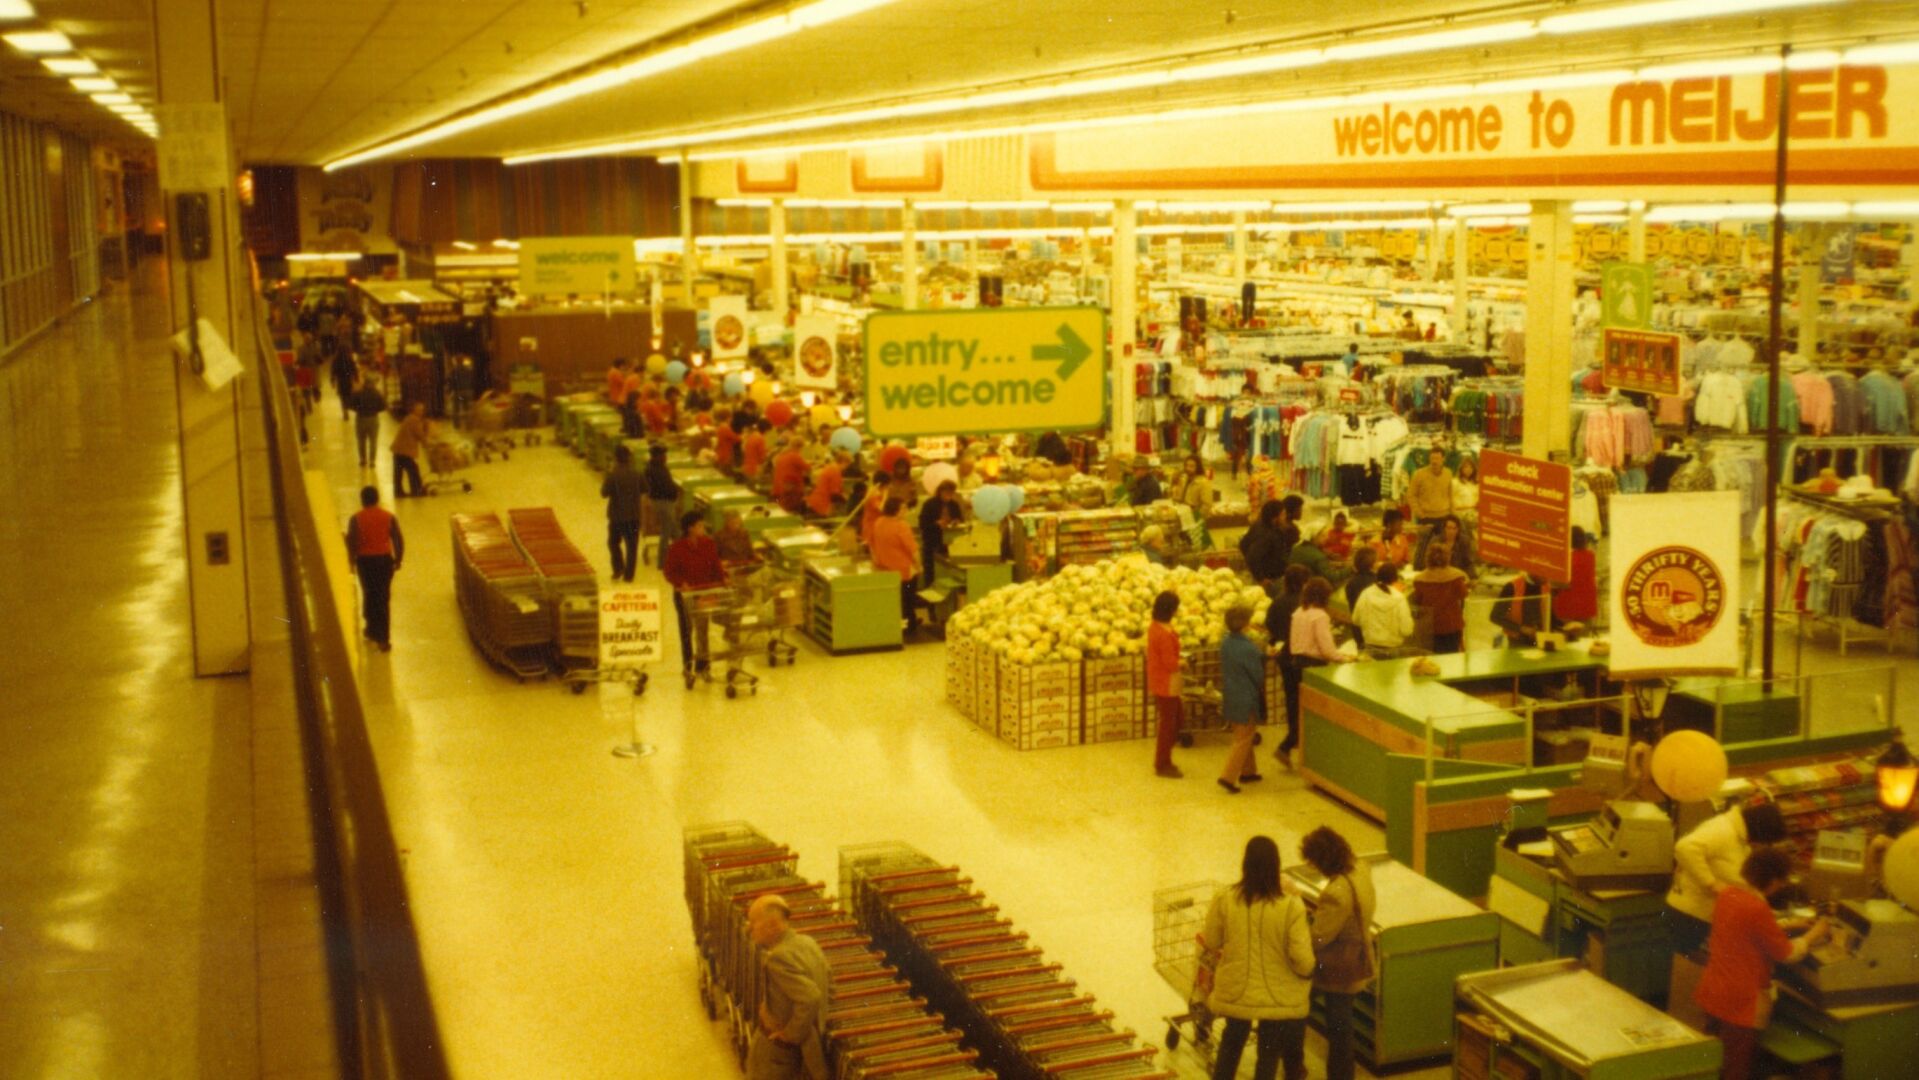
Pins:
x: 985, y: 370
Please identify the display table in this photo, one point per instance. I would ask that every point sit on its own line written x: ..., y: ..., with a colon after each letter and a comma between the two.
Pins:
x: 1353, y: 715
x: 1560, y: 1021
x: 1617, y: 932
x: 1424, y: 937
x: 851, y: 605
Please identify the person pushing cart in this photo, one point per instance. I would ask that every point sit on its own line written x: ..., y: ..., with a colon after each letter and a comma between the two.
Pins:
x: 692, y: 564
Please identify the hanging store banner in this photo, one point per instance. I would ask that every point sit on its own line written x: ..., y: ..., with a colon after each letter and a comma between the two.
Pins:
x: 985, y: 370
x: 1625, y: 295
x: 1847, y: 128
x: 1674, y: 584
x: 816, y: 351
x: 1525, y: 515
x: 630, y: 624
x: 726, y: 318
x: 576, y: 266
x: 1642, y: 360
x: 1835, y: 261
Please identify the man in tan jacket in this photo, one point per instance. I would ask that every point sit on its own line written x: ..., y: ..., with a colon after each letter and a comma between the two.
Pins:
x: 798, y: 989
x: 1431, y: 491
x: 406, y: 447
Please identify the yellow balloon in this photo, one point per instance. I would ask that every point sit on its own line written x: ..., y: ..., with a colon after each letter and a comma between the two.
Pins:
x: 1902, y: 868
x: 656, y: 364
x: 1689, y: 766
x: 761, y: 391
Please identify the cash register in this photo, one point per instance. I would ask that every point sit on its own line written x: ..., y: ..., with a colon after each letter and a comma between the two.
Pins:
x: 1628, y: 846
x: 1872, y: 956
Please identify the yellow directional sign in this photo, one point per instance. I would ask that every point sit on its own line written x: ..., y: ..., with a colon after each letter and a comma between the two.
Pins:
x: 985, y: 370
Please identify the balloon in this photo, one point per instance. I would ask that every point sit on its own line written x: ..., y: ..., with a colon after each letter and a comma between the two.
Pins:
x: 936, y: 474
x: 761, y: 392
x: 991, y: 504
x: 734, y: 386
x: 1017, y: 494
x: 846, y: 439
x: 1689, y: 765
x: 891, y: 456
x: 676, y: 372
x: 1902, y: 868
x: 779, y: 414
x: 656, y: 364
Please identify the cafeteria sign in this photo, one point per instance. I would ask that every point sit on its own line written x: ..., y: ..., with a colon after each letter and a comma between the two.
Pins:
x: 988, y: 369
x: 1525, y: 515
x: 576, y: 265
x: 629, y: 628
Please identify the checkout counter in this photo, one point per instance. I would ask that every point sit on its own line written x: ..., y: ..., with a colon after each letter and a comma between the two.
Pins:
x: 1424, y: 937
x: 1555, y: 1021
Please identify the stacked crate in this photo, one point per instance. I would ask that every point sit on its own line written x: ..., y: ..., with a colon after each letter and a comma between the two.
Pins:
x: 961, y: 686
x: 1040, y: 704
x: 1116, y: 701
x: 986, y: 689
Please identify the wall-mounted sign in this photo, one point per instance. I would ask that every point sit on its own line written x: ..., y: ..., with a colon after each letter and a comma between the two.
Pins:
x: 576, y: 265
x: 1642, y: 360
x: 1525, y: 515
x: 1625, y: 295
x: 994, y: 369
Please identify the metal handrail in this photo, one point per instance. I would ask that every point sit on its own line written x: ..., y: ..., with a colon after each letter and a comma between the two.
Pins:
x: 385, y: 1023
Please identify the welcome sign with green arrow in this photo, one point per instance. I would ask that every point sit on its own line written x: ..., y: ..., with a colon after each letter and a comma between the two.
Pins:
x: 985, y: 370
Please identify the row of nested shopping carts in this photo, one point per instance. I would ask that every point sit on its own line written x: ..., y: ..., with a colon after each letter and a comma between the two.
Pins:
x: 529, y: 597
x: 875, y: 1025
x: 1021, y: 1012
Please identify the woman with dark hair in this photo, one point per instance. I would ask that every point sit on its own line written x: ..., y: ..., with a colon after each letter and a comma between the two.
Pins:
x: 1746, y: 942
x: 1449, y: 533
x: 1342, y: 939
x: 1266, y: 545
x: 1162, y: 681
x: 1440, y: 590
x: 1265, y: 946
x: 1310, y: 644
x: 1707, y: 861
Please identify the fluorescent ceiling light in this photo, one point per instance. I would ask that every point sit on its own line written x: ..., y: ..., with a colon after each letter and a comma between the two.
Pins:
x: 113, y: 99
x: 322, y: 256
x: 1598, y: 219
x: 510, y: 245
x: 465, y: 245
x: 745, y: 35
x: 1737, y: 65
x: 1817, y: 211
x: 15, y: 9
x: 1250, y: 65
x: 1083, y: 207
x: 743, y: 202
x: 127, y: 109
x: 71, y: 65
x: 1885, y: 209
x: 1661, y: 12
x: 1008, y: 204
x: 1570, y: 81
x: 1599, y: 206
x: 1359, y: 207
x: 847, y: 204
x: 1438, y: 39
x: 39, y: 41
x: 93, y: 84
x: 1497, y: 222
x: 1895, y: 53
x: 1490, y: 210
x: 1228, y: 207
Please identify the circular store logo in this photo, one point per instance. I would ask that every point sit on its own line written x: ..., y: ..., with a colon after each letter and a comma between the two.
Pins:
x: 1673, y: 596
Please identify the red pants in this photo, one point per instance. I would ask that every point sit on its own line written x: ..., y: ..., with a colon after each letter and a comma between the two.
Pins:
x: 1168, y: 709
x: 1741, y: 1047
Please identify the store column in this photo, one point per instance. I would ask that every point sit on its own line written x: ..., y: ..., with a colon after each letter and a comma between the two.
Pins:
x: 909, y: 257
x: 782, y: 285
x: 1550, y: 264
x: 1462, y: 266
x: 1809, y: 274
x: 689, y: 255
x: 206, y: 277
x: 1239, y: 247
x: 1636, y: 231
x: 1124, y: 320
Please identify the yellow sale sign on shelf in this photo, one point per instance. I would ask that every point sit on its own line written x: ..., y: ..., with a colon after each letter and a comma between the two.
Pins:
x: 985, y: 370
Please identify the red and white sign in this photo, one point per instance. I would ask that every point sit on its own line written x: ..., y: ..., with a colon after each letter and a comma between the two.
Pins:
x: 630, y: 622
x: 1642, y: 360
x: 1525, y: 515
x: 1674, y: 586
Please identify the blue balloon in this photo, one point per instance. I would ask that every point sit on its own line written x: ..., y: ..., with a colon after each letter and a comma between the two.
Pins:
x: 846, y: 439
x: 676, y: 372
x: 991, y: 504
x: 734, y: 386
x: 1016, y: 496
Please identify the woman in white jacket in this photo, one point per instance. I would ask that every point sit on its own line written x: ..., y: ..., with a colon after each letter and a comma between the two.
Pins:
x: 1706, y: 862
x: 1264, y: 939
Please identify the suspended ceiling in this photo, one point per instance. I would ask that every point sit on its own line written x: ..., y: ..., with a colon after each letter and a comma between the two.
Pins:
x: 310, y: 80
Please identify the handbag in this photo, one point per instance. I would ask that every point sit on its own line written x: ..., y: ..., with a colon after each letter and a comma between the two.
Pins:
x: 1344, y: 961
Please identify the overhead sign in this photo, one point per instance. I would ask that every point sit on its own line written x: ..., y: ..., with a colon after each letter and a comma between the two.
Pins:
x: 816, y: 351
x: 1525, y: 515
x: 726, y: 324
x: 1674, y: 594
x: 576, y: 265
x: 985, y: 370
x: 193, y: 147
x: 1642, y: 360
x: 630, y: 628
x: 1625, y: 295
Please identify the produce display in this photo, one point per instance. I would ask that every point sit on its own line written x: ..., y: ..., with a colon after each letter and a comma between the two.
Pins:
x: 1102, y: 611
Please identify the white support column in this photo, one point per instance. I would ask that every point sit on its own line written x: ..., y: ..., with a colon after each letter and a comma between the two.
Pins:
x: 1551, y: 262
x: 782, y: 278
x: 1125, y: 321
x: 1432, y: 249
x: 213, y: 440
x: 972, y: 264
x: 1239, y: 247
x: 1462, y: 267
x: 909, y: 257
x: 1808, y: 346
x: 689, y: 254
x: 1636, y: 231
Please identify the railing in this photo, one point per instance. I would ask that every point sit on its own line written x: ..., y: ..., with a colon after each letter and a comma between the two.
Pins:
x: 384, y: 1013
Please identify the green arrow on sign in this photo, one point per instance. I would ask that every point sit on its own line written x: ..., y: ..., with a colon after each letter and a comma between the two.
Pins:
x: 1071, y: 352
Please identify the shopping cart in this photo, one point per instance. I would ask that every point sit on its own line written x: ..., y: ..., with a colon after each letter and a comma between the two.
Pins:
x: 730, y: 608
x: 776, y: 602
x: 1179, y: 914
x: 446, y: 457
x: 1202, y: 696
x: 487, y: 423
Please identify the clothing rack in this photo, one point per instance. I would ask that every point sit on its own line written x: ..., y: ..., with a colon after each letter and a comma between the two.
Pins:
x: 1848, y: 629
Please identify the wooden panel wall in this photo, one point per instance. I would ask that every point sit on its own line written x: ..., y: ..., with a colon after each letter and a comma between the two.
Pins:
x: 48, y: 257
x: 272, y: 223
x: 575, y: 347
x: 479, y: 200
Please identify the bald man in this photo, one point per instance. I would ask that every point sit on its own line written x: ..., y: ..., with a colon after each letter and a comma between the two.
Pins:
x: 798, y: 989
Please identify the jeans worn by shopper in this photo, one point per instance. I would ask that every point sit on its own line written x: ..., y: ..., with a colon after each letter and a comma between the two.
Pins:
x: 376, y: 587
x: 405, y: 468
x: 366, y: 436
x: 623, y: 540
x: 1170, y: 714
x: 1280, y: 1042
x: 1339, y: 1036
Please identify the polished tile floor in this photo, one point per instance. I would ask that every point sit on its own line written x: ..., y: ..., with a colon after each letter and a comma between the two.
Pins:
x: 126, y: 945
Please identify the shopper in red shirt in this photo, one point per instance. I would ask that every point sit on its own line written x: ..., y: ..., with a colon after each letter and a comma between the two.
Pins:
x: 692, y: 562
x: 1162, y: 681
x: 373, y: 539
x: 726, y: 441
x: 895, y: 549
x: 789, y: 478
x: 829, y: 485
x: 1579, y: 600
x: 753, y: 451
x: 1746, y: 942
